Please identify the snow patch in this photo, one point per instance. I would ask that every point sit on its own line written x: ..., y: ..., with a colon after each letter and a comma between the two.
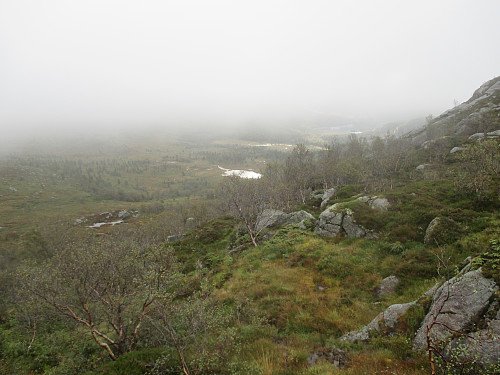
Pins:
x: 240, y: 173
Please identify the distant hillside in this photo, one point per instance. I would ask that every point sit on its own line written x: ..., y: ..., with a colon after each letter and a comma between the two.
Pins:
x: 479, y: 114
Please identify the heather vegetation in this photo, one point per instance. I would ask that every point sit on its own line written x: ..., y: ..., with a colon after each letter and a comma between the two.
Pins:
x: 191, y: 281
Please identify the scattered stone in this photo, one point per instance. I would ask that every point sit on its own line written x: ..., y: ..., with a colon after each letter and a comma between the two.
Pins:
x: 387, y: 286
x: 458, y: 303
x: 123, y: 214
x: 98, y: 225
x: 336, y: 357
x: 375, y: 203
x: 327, y: 195
x: 477, y: 136
x: 379, y: 204
x: 81, y: 220
x: 457, y: 149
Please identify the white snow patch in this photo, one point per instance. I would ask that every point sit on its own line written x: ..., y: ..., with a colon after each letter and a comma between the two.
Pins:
x: 272, y: 144
x: 240, y: 173
x: 98, y: 225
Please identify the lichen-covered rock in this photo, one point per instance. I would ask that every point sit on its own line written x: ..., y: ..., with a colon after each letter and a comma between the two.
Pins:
x: 493, y: 134
x: 275, y: 218
x: 375, y: 203
x: 380, y: 204
x: 338, y: 220
x: 477, y: 136
x: 388, y: 319
x: 351, y: 229
x: 469, y: 124
x: 330, y: 222
x: 456, y: 305
x: 481, y: 347
x: 387, y: 286
x: 431, y: 228
x: 457, y: 149
x: 441, y: 231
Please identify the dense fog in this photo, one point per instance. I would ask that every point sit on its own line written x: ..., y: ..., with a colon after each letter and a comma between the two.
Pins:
x: 84, y: 67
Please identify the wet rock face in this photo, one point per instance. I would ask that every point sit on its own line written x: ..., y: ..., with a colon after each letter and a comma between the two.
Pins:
x: 457, y: 305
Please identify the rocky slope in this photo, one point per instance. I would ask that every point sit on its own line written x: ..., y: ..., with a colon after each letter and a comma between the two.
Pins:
x: 480, y: 114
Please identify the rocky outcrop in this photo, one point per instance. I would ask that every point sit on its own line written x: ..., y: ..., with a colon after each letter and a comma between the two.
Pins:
x: 330, y: 222
x: 387, y: 286
x: 336, y: 220
x: 388, y: 320
x: 275, y: 219
x: 479, y: 114
x: 456, y: 306
x: 326, y: 196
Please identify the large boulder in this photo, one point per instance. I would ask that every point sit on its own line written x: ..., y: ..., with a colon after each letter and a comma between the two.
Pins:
x: 456, y: 306
x: 442, y: 230
x: 272, y: 219
x: 375, y: 203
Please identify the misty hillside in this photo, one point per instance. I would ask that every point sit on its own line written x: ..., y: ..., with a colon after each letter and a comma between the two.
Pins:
x: 479, y: 114
x: 366, y: 256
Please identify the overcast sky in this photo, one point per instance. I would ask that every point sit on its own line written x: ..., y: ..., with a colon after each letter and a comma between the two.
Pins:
x: 71, y: 63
